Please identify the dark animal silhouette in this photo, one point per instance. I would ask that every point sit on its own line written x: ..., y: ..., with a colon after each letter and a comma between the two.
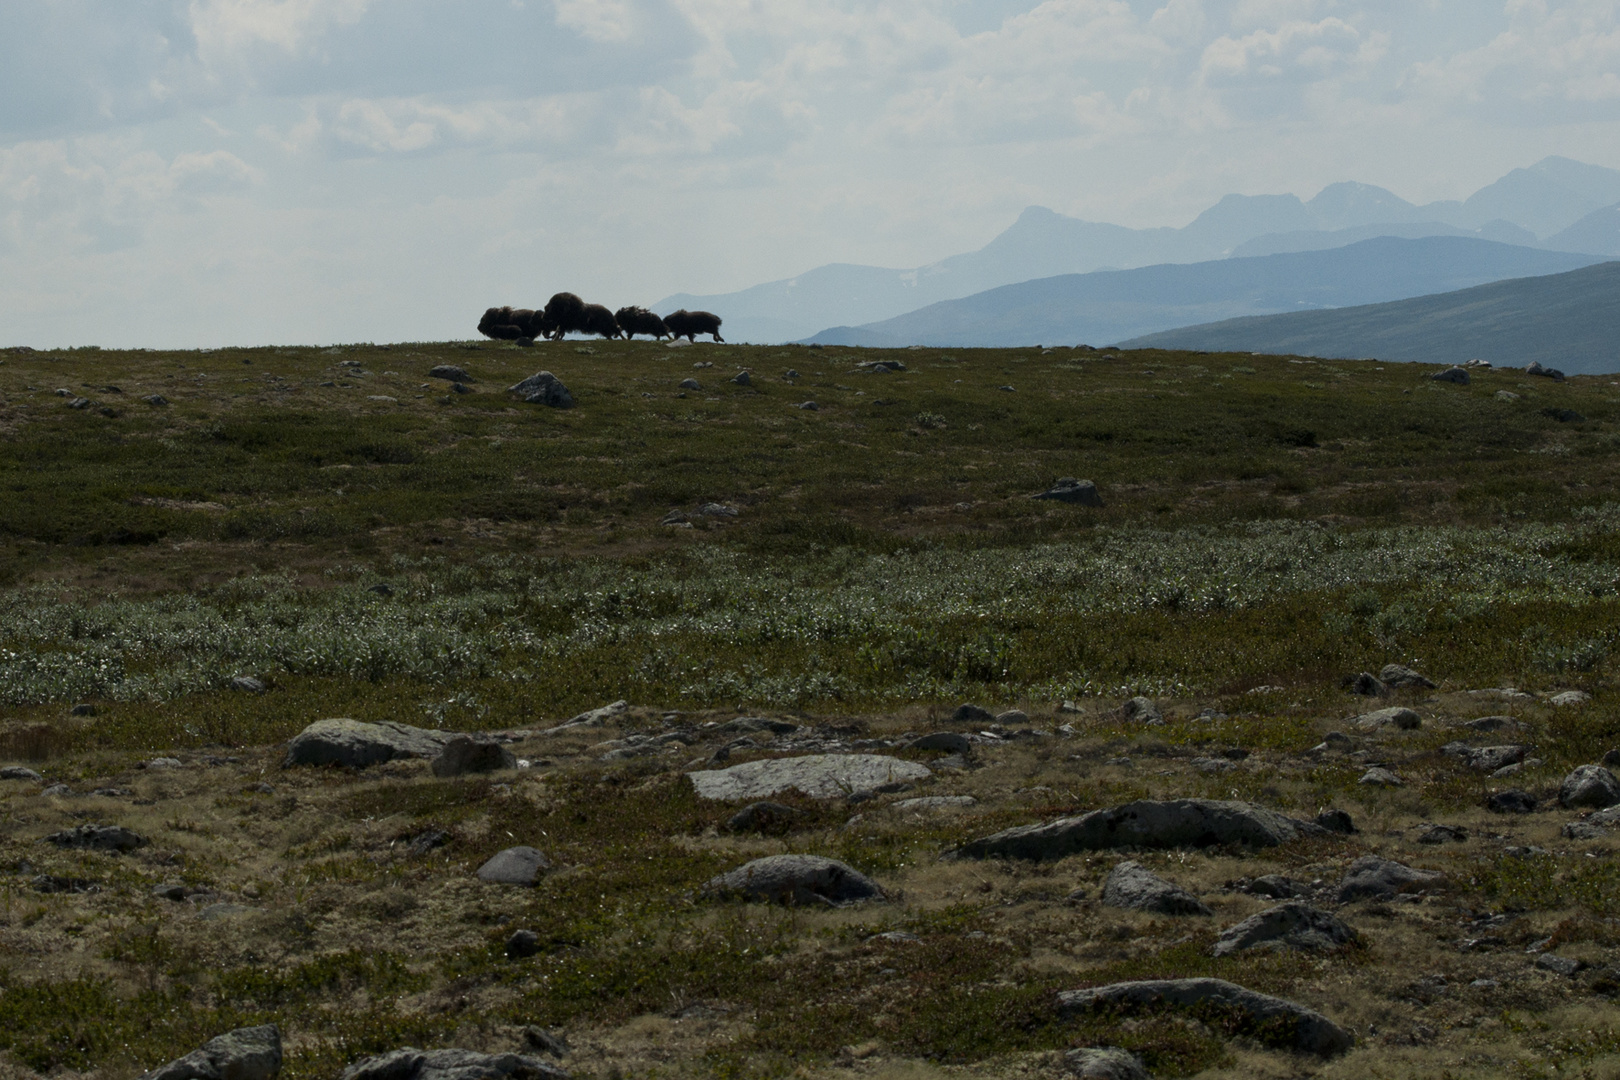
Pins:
x: 564, y: 313
x: 638, y: 320
x: 597, y: 319
x: 689, y: 324
x: 509, y: 324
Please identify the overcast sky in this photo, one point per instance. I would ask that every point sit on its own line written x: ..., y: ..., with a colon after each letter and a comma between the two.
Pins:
x: 206, y: 172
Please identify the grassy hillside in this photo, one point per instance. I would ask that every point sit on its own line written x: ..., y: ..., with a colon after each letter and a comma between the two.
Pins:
x: 367, y: 543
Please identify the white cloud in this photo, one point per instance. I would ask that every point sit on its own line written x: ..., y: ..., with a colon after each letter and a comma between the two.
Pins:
x: 598, y: 20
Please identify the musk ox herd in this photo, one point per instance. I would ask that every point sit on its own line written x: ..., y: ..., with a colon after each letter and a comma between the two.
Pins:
x: 567, y: 313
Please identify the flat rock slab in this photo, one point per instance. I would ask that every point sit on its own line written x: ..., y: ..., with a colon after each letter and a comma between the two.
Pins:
x: 412, y: 1064
x: 1147, y: 824
x: 1274, y: 1020
x: 357, y: 744
x: 1373, y: 878
x: 1397, y: 675
x: 20, y: 772
x: 1132, y: 886
x: 1293, y: 925
x: 1484, y: 758
x: 1589, y: 785
x: 250, y: 1053
x: 937, y: 802
x: 795, y: 879
x: 98, y: 838
x: 953, y: 741
x: 820, y: 776
x: 519, y: 865
x: 465, y: 754
x: 592, y: 717
x: 1070, y: 490
x: 1404, y: 719
x: 1104, y: 1063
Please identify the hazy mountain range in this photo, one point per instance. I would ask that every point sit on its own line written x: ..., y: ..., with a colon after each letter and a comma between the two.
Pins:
x: 1557, y: 204
x: 1105, y: 307
x: 1568, y: 321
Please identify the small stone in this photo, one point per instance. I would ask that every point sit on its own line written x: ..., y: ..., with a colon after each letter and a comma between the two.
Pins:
x: 1379, y: 777
x: 19, y: 772
x: 1589, y: 785
x: 1139, y: 710
x: 1535, y: 367
x: 1402, y: 719
x: 428, y: 841
x: 1275, y: 1020
x: 247, y: 684
x: 1069, y: 708
x: 251, y: 1053
x: 742, y: 379
x: 1371, y: 877
x: 1210, y: 766
x: 113, y: 838
x: 1484, y: 758
x: 952, y: 741
x: 1368, y: 685
x: 522, y: 943
x: 930, y: 803
x: 155, y: 399
x: 382, y: 588
x: 713, y: 509
x: 1512, y: 801
x: 541, y: 1039
x: 356, y: 744
x: 1070, y: 490
x: 519, y: 865
x: 1491, y: 723
x: 1558, y: 965
x: 1104, y: 1063
x: 410, y: 1063
x: 1403, y: 677
x: 1582, y: 830
x: 82, y: 709
x: 972, y: 714
x: 807, y: 405
x: 676, y: 517
x: 57, y: 790
x: 468, y: 754
x: 1563, y: 416
x: 1293, y: 925
x: 1013, y: 718
x: 1276, y: 886
x: 762, y: 816
x: 450, y: 373
x: 690, y: 383
x: 543, y: 388
x: 1336, y: 821
x: 795, y: 879
x: 460, y: 388
x: 1131, y: 885
x: 593, y: 718
x: 1570, y: 697
x: 1443, y: 834
x: 1452, y: 375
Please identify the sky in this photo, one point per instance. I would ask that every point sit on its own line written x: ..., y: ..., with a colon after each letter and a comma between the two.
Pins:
x: 195, y: 173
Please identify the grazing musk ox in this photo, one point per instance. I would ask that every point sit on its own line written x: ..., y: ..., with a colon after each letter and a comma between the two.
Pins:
x: 638, y: 320
x: 564, y: 312
x: 509, y: 324
x: 596, y: 319
x: 688, y: 324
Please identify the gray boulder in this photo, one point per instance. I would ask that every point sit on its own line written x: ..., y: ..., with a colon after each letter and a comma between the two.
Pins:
x: 1367, y: 684
x: 356, y: 744
x: 593, y: 717
x: 953, y: 741
x: 250, y: 1053
x: 1396, y: 675
x: 1404, y: 719
x: 795, y: 879
x: 247, y: 684
x: 1293, y: 925
x: 759, y: 816
x: 1589, y: 785
x: 1070, y: 490
x: 1608, y: 818
x: 1133, y: 886
x: 1104, y: 1063
x: 1452, y: 375
x: 937, y: 802
x: 1570, y: 697
x: 1274, y: 1020
x: 114, y: 838
x: 1139, y: 710
x: 1512, y: 801
x: 1175, y: 823
x: 1484, y: 758
x: 543, y: 388
x: 467, y: 754
x: 19, y: 772
x: 519, y: 865
x: 690, y: 383
x: 820, y: 776
x: 972, y: 714
x: 450, y: 373
x: 410, y: 1063
x: 1371, y: 877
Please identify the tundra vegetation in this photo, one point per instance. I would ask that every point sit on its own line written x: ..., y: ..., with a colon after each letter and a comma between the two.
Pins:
x: 360, y: 541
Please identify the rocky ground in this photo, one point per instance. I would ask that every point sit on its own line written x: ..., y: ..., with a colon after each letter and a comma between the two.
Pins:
x: 1213, y: 888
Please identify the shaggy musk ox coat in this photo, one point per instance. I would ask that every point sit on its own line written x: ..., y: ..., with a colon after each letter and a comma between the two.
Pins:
x: 509, y: 324
x: 564, y: 313
x: 596, y: 319
x: 638, y: 320
x: 689, y: 324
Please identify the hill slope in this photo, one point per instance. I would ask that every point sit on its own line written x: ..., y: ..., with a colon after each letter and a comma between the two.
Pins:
x: 1569, y: 321
x: 1110, y: 306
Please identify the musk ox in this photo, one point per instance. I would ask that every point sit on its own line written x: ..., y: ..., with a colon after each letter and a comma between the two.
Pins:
x: 688, y: 324
x: 564, y: 313
x: 638, y: 320
x: 509, y: 324
x: 596, y: 319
